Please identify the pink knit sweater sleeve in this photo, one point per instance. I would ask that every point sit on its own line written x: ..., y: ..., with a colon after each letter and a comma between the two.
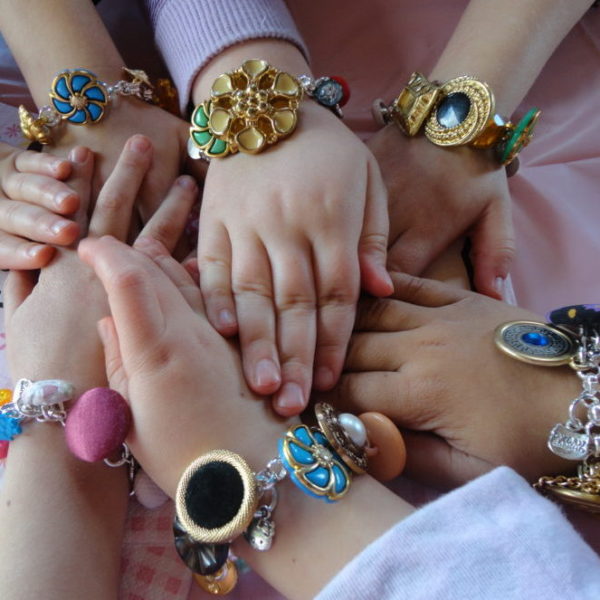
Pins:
x: 190, y: 32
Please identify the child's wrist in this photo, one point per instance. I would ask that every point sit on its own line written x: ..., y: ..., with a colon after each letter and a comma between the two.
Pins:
x: 283, y: 55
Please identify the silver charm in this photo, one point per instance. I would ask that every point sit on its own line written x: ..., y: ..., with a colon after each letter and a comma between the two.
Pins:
x: 535, y: 343
x: 260, y: 533
x: 569, y: 444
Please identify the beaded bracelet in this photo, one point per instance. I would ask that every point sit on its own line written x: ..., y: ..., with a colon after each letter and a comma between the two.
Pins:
x: 95, y: 427
x: 255, y: 106
x: 219, y: 497
x: 571, y: 337
x: 458, y: 112
x: 80, y: 98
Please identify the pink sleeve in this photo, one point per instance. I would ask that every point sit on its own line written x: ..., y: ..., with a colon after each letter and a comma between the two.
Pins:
x: 190, y: 32
x: 493, y: 538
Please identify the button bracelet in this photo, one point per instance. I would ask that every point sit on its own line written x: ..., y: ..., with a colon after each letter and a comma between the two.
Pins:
x: 571, y: 337
x: 219, y: 497
x: 457, y: 113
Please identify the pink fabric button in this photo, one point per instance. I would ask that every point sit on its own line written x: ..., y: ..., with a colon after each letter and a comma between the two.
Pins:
x: 97, y: 424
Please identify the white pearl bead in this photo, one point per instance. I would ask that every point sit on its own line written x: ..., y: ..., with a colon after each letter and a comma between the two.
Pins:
x: 354, y: 427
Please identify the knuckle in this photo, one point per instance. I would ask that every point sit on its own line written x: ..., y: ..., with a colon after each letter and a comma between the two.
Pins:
x: 209, y: 261
x: 374, y: 242
x: 111, y: 201
x: 343, y: 297
x: 252, y: 287
x: 298, y: 302
x: 128, y: 278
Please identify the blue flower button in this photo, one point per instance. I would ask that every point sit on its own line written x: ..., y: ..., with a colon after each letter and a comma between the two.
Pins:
x: 79, y: 97
x: 313, y: 465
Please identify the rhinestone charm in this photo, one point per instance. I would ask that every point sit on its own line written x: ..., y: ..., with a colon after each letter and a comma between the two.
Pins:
x: 535, y: 343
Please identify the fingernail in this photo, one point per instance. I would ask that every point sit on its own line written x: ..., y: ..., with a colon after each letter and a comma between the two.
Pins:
x: 499, y: 286
x: 59, y: 226
x: 291, y: 397
x: 226, y: 318
x: 34, y: 250
x: 79, y: 154
x: 62, y: 197
x: 139, y: 143
x: 187, y: 183
x: 324, y: 377
x: 267, y: 373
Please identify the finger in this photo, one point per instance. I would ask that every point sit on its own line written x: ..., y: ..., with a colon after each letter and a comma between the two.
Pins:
x: 113, y: 210
x: 36, y: 223
x: 415, y: 250
x: 20, y: 254
x: 42, y: 164
x: 115, y: 373
x: 372, y: 245
x: 396, y: 395
x: 337, y: 281
x: 389, y: 314
x: 493, y: 249
x: 173, y: 270
x: 296, y: 314
x: 18, y: 286
x: 431, y: 460
x: 133, y: 299
x: 82, y: 161
x: 41, y: 190
x: 214, y: 262
x: 372, y: 352
x: 425, y: 292
x: 253, y: 292
x: 168, y: 222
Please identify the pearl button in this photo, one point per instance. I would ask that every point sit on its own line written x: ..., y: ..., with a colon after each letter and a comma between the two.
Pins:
x: 354, y: 427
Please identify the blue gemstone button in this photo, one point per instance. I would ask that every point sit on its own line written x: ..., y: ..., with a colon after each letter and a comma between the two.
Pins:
x: 535, y: 339
x: 453, y: 110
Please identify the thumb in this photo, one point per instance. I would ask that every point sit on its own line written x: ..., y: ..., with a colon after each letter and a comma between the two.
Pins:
x: 115, y: 373
x: 493, y: 248
x: 372, y: 245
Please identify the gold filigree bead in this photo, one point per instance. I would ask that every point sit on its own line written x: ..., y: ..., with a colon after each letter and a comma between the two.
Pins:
x: 35, y: 130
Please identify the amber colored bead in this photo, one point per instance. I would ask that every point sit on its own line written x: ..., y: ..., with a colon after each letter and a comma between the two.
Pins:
x: 221, y: 583
x: 387, y: 453
x: 5, y: 396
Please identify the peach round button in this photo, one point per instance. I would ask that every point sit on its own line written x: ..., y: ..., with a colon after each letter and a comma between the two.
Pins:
x: 387, y: 455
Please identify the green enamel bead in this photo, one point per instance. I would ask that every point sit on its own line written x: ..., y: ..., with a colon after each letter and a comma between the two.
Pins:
x: 200, y: 118
x: 202, y: 138
x: 217, y: 148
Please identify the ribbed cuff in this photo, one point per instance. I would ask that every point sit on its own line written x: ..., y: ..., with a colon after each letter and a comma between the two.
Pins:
x: 191, y: 32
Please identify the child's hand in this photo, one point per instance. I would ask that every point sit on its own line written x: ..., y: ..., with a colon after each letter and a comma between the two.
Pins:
x: 427, y: 359
x: 51, y: 320
x: 286, y: 238
x: 182, y: 379
x: 32, y: 200
x: 438, y: 195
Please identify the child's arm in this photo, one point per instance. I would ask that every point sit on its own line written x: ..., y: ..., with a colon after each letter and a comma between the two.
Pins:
x: 439, y: 194
x: 287, y: 237
x: 49, y: 37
